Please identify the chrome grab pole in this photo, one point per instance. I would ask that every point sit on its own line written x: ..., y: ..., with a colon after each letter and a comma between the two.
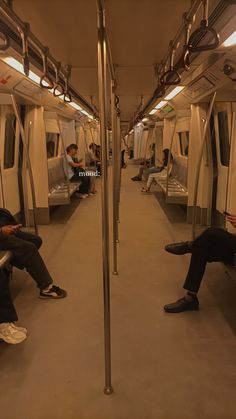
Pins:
x: 119, y: 172
x: 2, y: 191
x: 204, y: 137
x: 102, y: 61
x: 28, y: 163
x: 169, y: 159
x: 65, y: 158
x: 115, y: 176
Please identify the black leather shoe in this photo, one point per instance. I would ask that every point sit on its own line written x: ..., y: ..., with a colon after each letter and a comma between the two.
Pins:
x: 136, y: 178
x: 182, y: 305
x: 179, y: 248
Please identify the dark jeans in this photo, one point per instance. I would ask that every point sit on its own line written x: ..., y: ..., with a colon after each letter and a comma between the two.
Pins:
x: 85, y: 181
x: 24, y: 247
x: 7, y: 310
x: 213, y: 245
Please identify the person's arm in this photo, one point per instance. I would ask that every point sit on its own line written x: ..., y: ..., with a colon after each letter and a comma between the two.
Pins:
x: 10, y: 229
x: 232, y: 219
x: 72, y: 163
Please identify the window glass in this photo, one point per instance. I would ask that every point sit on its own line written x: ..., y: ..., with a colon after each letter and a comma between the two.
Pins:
x: 184, y: 142
x: 224, y: 138
x: 52, y: 142
x: 9, y: 143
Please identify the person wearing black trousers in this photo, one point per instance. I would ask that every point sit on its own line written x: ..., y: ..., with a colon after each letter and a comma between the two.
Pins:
x: 9, y: 332
x: 25, y: 255
x: 213, y: 245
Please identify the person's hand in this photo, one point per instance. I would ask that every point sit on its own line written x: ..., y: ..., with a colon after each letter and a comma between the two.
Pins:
x: 232, y: 219
x: 10, y: 229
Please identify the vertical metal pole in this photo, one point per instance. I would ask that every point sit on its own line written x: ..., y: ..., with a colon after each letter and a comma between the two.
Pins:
x: 28, y: 163
x: 115, y: 177
x: 204, y: 137
x: 119, y: 173
x: 169, y: 160
x: 104, y: 188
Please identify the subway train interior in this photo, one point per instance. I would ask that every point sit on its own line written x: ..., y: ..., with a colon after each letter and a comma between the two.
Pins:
x: 118, y: 149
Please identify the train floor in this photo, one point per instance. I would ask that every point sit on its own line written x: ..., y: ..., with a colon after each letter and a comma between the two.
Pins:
x: 164, y: 366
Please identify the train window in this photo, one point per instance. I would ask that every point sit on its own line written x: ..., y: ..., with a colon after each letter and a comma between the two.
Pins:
x: 9, y: 143
x: 224, y: 138
x: 52, y: 142
x: 184, y: 142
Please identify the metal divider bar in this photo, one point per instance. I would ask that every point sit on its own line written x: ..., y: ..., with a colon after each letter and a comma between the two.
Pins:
x: 204, y: 137
x: 102, y: 62
x: 169, y: 158
x: 115, y: 177
x: 65, y: 157
x: 28, y: 163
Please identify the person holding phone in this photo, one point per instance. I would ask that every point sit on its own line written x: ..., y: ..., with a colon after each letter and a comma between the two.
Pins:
x: 24, y: 247
x: 213, y: 245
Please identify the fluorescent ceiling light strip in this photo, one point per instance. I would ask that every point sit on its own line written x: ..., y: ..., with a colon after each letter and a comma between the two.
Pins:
x: 161, y: 104
x: 12, y: 62
x: 231, y: 40
x: 76, y: 106
x: 174, y: 92
x: 153, y: 111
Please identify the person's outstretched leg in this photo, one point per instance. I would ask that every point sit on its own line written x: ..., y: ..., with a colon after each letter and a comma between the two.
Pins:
x: 9, y: 332
x: 213, y: 245
x: 26, y: 255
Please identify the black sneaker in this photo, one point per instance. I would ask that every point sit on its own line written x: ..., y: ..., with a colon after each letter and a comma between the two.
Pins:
x: 182, y: 305
x: 179, y: 248
x: 53, y: 292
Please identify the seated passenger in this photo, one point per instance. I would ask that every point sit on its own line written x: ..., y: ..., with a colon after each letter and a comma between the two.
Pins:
x: 213, y: 245
x: 89, y: 173
x: 147, y: 165
x: 76, y: 172
x: 159, y: 171
x: 9, y: 332
x: 24, y: 247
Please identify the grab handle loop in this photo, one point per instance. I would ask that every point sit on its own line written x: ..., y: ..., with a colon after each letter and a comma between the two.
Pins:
x: 160, y: 90
x: 58, y: 88
x: 186, y: 55
x: 203, y: 30
x: 4, y: 40
x: 25, y: 47
x: 45, y: 81
x: 171, y: 76
x: 67, y: 95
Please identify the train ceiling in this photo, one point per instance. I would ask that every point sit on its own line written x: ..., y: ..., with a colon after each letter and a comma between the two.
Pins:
x: 139, y: 33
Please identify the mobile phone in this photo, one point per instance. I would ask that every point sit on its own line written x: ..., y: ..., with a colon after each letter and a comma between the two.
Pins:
x: 226, y: 213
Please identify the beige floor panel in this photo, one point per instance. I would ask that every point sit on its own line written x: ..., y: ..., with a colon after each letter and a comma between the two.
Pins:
x: 164, y: 366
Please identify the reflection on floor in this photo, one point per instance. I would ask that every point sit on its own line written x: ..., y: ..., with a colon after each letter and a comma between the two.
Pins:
x: 164, y: 366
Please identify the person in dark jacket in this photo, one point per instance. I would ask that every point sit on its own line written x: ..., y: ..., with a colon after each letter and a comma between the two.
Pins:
x: 24, y: 247
x: 213, y: 245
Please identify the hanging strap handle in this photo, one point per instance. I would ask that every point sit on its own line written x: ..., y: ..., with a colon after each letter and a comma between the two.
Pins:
x: 186, y: 54
x: 4, y: 38
x: 160, y: 90
x: 171, y: 77
x: 204, y: 30
x: 24, y: 32
x: 45, y: 81
x: 58, y: 88
x: 67, y: 95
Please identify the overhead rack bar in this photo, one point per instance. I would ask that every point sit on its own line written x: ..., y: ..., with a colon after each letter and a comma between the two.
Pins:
x: 35, y: 45
x: 219, y: 9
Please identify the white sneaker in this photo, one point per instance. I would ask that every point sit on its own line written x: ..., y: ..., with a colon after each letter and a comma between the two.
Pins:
x: 10, y: 335
x: 82, y: 196
x: 21, y: 329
